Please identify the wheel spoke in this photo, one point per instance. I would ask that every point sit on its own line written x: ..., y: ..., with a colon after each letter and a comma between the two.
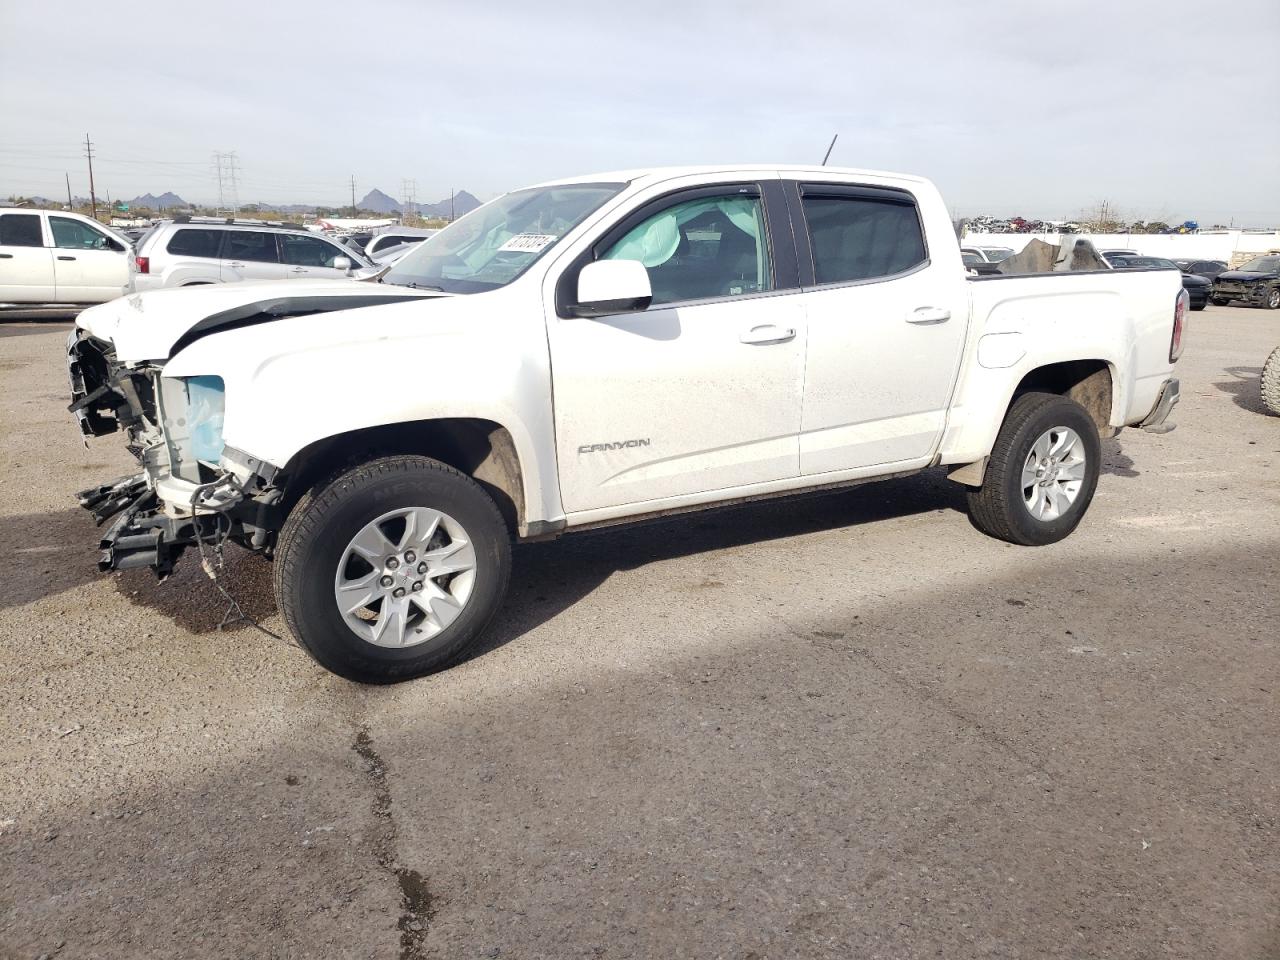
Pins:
x: 1072, y: 471
x: 1063, y: 445
x: 354, y: 594
x: 420, y: 525
x: 392, y: 620
x: 372, y: 544
x: 456, y: 557
x: 1029, y: 473
x: 440, y: 607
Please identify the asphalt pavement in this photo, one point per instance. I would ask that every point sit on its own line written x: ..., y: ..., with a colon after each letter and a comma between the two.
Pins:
x: 840, y: 726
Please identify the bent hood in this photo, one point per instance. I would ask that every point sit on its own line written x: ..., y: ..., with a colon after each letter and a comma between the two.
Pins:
x: 153, y: 325
x: 1247, y: 276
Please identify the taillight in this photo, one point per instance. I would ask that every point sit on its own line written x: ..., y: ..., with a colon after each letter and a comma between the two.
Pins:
x: 1179, y: 317
x: 144, y: 264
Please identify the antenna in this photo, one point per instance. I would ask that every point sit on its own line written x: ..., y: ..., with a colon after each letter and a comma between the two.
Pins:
x: 826, y: 156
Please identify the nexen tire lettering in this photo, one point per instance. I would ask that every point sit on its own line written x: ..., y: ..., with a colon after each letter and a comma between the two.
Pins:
x: 620, y: 445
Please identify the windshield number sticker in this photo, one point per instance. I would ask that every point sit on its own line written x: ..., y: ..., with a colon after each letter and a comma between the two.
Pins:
x: 527, y: 242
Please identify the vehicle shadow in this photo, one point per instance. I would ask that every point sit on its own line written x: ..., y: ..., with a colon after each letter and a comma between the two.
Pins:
x: 1244, y: 389
x: 548, y: 578
x: 1115, y: 461
x: 46, y: 554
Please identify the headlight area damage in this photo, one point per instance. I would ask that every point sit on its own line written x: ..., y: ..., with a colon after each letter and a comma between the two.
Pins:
x: 192, y: 489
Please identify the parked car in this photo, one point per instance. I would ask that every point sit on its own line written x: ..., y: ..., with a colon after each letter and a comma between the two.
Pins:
x: 1256, y: 282
x: 1197, y: 287
x: 177, y: 253
x: 391, y: 254
x: 989, y: 254
x: 597, y: 351
x: 1202, y: 268
x: 52, y: 256
x: 396, y: 236
x: 976, y: 263
x: 1122, y: 253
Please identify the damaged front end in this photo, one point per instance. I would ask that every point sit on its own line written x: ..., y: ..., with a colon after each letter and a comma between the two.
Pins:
x: 192, y: 490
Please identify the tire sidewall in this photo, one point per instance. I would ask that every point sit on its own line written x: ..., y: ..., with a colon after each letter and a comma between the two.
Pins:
x: 1060, y: 413
x: 356, y: 500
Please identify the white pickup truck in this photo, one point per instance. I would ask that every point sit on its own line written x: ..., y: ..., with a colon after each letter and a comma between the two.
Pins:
x: 596, y: 351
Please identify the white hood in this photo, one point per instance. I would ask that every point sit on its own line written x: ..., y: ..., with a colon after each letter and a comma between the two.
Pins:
x: 145, y: 326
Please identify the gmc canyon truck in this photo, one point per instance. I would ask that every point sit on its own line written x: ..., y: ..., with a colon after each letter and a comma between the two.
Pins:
x: 598, y: 351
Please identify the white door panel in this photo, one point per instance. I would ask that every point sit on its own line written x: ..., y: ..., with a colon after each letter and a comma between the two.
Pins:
x: 26, y: 274
x: 85, y: 276
x: 882, y: 361
x: 677, y: 400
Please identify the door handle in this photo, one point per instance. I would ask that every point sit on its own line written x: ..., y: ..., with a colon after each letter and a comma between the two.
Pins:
x: 767, y: 333
x: 235, y: 263
x: 60, y: 257
x: 6, y: 256
x: 299, y: 270
x: 929, y: 315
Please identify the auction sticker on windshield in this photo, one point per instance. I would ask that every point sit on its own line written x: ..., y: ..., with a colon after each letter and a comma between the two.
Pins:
x: 528, y: 242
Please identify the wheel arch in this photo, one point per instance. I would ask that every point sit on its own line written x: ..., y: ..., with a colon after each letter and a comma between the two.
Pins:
x: 482, y: 449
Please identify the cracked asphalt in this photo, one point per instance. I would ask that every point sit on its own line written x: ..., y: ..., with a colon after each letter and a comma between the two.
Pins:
x: 843, y: 726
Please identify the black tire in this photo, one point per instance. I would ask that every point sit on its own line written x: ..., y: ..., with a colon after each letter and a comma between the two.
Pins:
x: 1201, y: 306
x: 1270, y: 383
x: 322, y: 524
x: 1273, y: 299
x: 1220, y: 301
x: 997, y: 507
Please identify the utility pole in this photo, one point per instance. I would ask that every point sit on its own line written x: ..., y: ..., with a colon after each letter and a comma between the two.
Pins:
x: 353, y: 195
x: 93, y: 197
x: 70, y: 205
x: 451, y: 213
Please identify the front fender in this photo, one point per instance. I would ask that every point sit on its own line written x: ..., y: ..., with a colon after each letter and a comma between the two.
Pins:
x: 293, y: 382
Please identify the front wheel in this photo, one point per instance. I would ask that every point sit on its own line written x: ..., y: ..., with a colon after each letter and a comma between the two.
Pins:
x: 1220, y: 301
x: 392, y: 569
x: 1273, y: 298
x: 1042, y: 472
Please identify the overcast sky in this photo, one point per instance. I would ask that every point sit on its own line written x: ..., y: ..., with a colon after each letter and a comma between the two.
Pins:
x: 1168, y: 109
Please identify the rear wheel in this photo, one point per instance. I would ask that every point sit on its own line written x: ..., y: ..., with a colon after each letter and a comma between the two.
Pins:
x: 1271, y: 382
x: 1042, y: 472
x: 392, y: 569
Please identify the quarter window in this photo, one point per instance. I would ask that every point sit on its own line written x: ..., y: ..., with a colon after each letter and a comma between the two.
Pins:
x: 709, y: 247
x: 250, y: 245
x: 862, y: 238
x: 20, y: 230
x: 195, y: 243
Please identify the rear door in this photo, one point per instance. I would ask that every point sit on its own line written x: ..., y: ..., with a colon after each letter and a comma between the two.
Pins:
x: 307, y: 257
x: 89, y: 266
x: 886, y: 327
x: 250, y: 255
x: 26, y: 264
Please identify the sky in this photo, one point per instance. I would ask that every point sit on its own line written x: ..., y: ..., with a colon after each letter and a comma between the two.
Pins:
x: 1167, y: 109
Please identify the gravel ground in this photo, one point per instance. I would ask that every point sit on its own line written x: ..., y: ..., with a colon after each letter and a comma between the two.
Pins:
x: 843, y: 726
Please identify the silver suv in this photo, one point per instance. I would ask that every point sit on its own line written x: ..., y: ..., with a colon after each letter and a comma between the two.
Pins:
x: 182, y: 253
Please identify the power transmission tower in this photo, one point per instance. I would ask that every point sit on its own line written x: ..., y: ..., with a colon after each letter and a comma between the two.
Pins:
x: 93, y: 197
x: 353, y: 195
x: 409, y: 193
x: 226, y: 169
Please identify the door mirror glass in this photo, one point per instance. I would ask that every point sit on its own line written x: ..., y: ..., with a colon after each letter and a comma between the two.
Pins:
x: 342, y: 263
x: 607, y: 287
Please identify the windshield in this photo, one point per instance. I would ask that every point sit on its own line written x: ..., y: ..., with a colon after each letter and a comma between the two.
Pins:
x: 1262, y: 265
x: 494, y: 244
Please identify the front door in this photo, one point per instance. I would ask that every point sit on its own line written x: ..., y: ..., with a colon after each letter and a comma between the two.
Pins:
x: 886, y: 329
x: 26, y: 264
x: 311, y: 258
x: 698, y: 393
x: 88, y: 265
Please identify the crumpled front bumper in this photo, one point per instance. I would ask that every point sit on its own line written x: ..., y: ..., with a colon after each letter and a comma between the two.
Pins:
x: 140, y: 536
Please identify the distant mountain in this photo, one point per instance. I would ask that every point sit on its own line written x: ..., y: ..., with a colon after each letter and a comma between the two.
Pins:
x: 165, y: 201
x: 376, y: 201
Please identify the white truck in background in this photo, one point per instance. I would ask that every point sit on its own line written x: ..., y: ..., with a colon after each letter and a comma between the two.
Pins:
x: 596, y: 351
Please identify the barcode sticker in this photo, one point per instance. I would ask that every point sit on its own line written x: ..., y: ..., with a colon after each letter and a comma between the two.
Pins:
x: 527, y: 242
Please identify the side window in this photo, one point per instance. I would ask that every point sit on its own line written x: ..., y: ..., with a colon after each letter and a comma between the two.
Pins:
x: 194, y: 243
x: 250, y: 245
x: 20, y: 230
x: 303, y: 251
x: 709, y: 247
x: 861, y: 238
x: 74, y: 235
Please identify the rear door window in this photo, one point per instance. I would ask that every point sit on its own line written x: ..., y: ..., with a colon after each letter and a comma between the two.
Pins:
x: 861, y: 234
x: 190, y: 242
x: 250, y: 245
x: 20, y: 230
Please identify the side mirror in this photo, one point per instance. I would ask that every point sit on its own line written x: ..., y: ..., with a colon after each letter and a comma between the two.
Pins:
x: 606, y: 287
x: 342, y: 263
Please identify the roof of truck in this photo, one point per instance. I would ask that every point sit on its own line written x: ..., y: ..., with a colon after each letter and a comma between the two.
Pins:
x: 669, y: 173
